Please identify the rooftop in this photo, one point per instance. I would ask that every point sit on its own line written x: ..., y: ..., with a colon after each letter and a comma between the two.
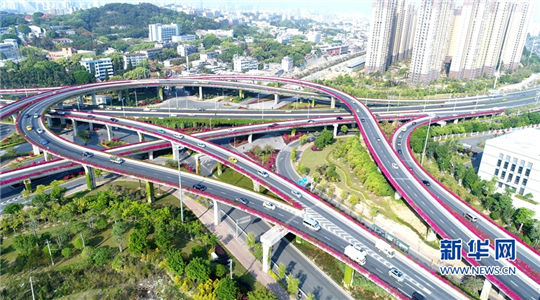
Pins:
x: 525, y: 141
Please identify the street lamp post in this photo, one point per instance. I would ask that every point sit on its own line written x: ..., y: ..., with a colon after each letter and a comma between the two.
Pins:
x: 180, y: 186
x: 425, y: 142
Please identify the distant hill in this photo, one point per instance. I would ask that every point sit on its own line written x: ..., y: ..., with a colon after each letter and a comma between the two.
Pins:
x: 127, y: 20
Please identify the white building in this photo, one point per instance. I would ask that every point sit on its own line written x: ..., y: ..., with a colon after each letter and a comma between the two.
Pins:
x: 242, y: 63
x: 186, y: 49
x: 287, y: 64
x: 9, y: 49
x: 101, y: 68
x: 516, y: 33
x: 162, y: 32
x: 135, y: 59
x: 431, y: 38
x: 514, y: 159
x: 103, y: 99
x: 314, y: 36
x: 380, y: 35
x: 209, y: 55
x: 183, y: 38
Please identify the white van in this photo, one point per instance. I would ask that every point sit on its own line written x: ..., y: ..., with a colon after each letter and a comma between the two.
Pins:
x: 312, y: 224
x: 470, y: 217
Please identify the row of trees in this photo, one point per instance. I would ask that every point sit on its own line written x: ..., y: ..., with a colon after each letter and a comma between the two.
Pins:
x: 152, y: 235
x: 497, y: 205
x: 361, y: 164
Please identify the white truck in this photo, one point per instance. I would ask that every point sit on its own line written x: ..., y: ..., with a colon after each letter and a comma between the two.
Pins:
x: 385, y: 247
x: 356, y: 254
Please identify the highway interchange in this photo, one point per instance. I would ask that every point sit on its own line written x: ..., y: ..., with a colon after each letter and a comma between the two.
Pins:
x: 337, y: 231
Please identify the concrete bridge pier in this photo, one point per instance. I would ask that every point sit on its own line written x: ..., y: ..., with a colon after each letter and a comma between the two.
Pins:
x: 90, y: 177
x: 250, y: 138
x: 216, y: 213
x: 335, y: 129
x: 49, y: 122
x: 35, y: 150
x: 14, y: 116
x: 47, y: 156
x: 256, y: 186
x: 332, y: 102
x: 269, y: 239
x: 174, y: 153
x: 109, y: 131
x: 151, y: 155
x: 456, y: 121
x: 198, y: 164
x: 94, y: 102
x: 200, y: 93
x: 80, y: 100
x: 486, y: 289
x: 141, y: 136
x: 150, y: 192
x: 75, y: 130
x: 276, y: 99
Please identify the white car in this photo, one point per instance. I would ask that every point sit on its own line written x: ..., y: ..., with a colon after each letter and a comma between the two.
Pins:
x: 39, y: 130
x: 269, y: 205
x: 396, y: 274
x: 262, y: 173
x: 178, y: 136
x: 201, y: 145
x: 394, y: 165
x: 297, y: 194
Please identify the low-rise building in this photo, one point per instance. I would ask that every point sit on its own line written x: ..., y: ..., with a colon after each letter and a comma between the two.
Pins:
x: 183, y: 38
x: 9, y: 49
x: 514, y: 159
x: 186, y: 49
x: 103, y: 99
x: 101, y: 68
x: 287, y: 64
x: 243, y: 63
x: 63, y: 41
x: 66, y: 53
x: 209, y: 55
x: 151, y: 53
x: 134, y: 59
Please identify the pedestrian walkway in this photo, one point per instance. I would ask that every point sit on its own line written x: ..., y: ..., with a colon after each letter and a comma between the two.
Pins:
x: 237, y: 248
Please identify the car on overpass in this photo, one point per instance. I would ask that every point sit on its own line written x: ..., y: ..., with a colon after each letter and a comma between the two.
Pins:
x: 233, y: 160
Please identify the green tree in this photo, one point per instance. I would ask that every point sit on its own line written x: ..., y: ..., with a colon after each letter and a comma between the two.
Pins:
x: 24, y: 244
x: 226, y: 289
x: 197, y: 269
x: 282, y: 270
x: 325, y: 138
x: 100, y: 256
x: 293, y: 154
x: 66, y: 252
x: 261, y: 294
x: 13, y: 208
x: 473, y: 284
x: 137, y: 241
x: 250, y: 240
x: 523, y: 216
x: 78, y: 243
x: 310, y: 296
x: 210, y: 40
x: 175, y: 262
x: 40, y: 199
x: 258, y: 251
x: 353, y: 199
x: 303, y: 139
x: 24, y: 29
x: 220, y: 270
x: 344, y: 128
x: 83, y: 77
x: 292, y: 285
x: 118, y: 230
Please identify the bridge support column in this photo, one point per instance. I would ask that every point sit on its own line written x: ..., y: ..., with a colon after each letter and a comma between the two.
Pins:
x: 80, y: 100
x: 456, y: 121
x: 485, y: 290
x: 141, y: 136
x: 160, y: 93
x: 268, y: 239
x: 75, y: 131
x: 219, y: 168
x: 216, y: 213
x: 27, y: 184
x: 332, y: 102
x: 174, y: 153
x: 250, y: 138
x: 240, y: 94
x: 14, y: 116
x: 256, y: 186
x: 35, y: 150
x: 94, y: 102
x: 109, y: 132
x: 63, y: 121
x: 151, y: 155
x: 276, y: 99
x: 200, y: 93
x: 397, y: 195
x: 150, y: 191
x: 47, y: 156
x: 197, y: 164
x: 348, y: 277
x: 49, y: 122
x: 90, y: 177
x: 335, y: 129
x: 90, y: 127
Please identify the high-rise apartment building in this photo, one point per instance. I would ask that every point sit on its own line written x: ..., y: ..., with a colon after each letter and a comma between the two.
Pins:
x: 431, y: 38
x: 390, y: 40
x: 379, y: 41
x: 101, y: 68
x: 516, y: 33
x: 162, y: 32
